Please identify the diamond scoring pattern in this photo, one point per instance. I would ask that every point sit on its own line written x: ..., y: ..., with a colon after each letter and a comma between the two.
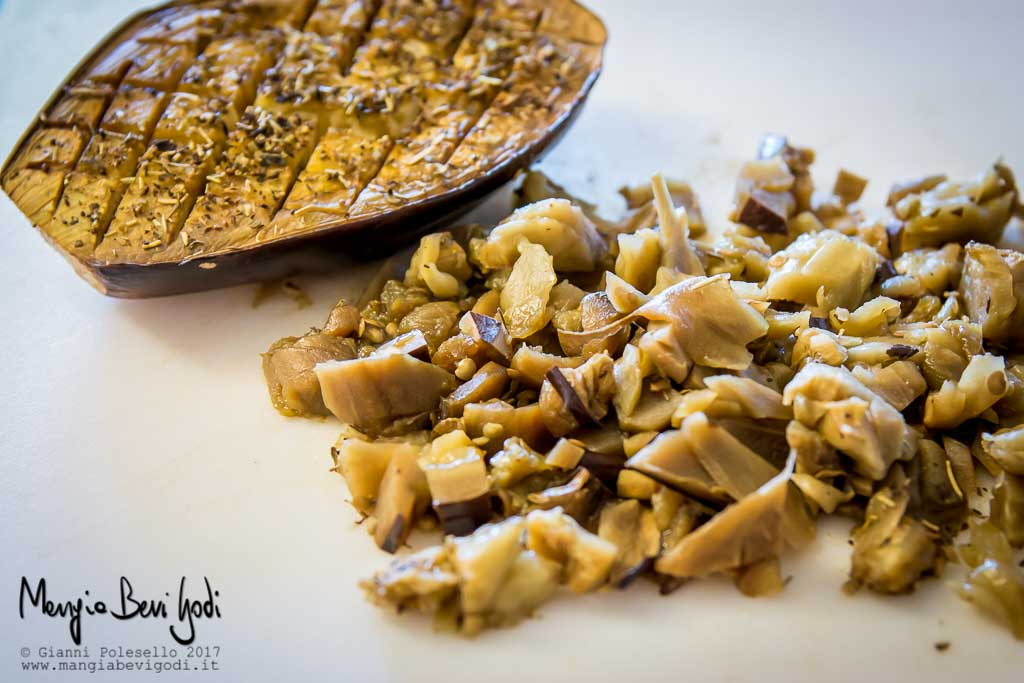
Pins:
x: 221, y: 124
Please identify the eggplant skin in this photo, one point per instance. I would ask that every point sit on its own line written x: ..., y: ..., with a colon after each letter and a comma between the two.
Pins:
x: 462, y: 518
x: 522, y: 101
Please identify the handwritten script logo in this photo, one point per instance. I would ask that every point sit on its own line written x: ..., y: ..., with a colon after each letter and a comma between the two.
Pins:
x: 128, y: 606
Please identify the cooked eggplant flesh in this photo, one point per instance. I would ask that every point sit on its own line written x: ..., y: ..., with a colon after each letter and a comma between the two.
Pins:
x: 586, y: 413
x: 353, y: 115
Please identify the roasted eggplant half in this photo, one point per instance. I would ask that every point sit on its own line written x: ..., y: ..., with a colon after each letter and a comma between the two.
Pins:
x: 207, y: 143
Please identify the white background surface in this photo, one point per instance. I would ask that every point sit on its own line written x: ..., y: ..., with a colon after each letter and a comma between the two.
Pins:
x: 137, y: 438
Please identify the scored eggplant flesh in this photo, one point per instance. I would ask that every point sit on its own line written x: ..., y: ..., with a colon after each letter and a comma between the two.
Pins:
x: 276, y: 136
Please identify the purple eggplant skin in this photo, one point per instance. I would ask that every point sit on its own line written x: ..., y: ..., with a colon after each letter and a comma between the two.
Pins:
x: 572, y: 401
x: 463, y: 517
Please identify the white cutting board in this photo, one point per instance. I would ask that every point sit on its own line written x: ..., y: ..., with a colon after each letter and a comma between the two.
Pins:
x: 137, y: 438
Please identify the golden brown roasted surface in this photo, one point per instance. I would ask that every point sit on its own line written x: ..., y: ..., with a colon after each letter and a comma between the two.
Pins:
x: 240, y: 124
x: 586, y: 402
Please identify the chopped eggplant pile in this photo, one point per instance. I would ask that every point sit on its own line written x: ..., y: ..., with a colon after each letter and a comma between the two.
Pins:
x: 580, y: 401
